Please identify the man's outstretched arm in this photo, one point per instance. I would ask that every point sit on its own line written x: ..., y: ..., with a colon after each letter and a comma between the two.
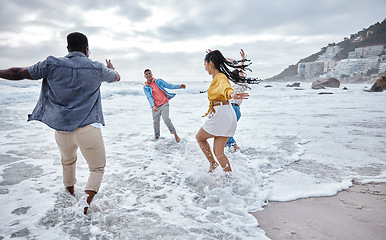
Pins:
x: 117, y: 77
x: 15, y: 73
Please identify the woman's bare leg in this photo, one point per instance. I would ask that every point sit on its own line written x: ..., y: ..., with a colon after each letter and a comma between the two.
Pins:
x: 218, y: 149
x: 201, y: 137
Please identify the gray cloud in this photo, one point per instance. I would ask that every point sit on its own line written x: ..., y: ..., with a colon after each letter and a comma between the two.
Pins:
x: 296, y: 29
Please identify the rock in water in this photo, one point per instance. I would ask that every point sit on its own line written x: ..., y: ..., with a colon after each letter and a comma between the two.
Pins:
x: 330, y: 83
x: 297, y: 84
x: 379, y: 85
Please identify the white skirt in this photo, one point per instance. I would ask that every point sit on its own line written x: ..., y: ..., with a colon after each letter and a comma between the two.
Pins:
x: 222, y: 122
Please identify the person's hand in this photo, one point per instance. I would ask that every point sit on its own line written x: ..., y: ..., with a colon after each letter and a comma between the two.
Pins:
x: 239, y: 95
x: 109, y: 64
x: 208, y: 51
x: 183, y: 86
x: 155, y: 109
x: 242, y: 54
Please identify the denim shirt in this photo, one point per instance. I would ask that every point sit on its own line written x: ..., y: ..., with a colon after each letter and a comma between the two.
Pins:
x: 162, y: 85
x: 70, y: 94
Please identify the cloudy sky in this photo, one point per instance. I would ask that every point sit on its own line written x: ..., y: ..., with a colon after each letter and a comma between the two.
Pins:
x: 171, y: 36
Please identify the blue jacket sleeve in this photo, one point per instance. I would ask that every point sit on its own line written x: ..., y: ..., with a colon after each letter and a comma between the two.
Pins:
x: 165, y: 84
x: 149, y: 95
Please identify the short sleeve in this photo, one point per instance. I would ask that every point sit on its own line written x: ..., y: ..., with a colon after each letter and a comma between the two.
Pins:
x: 39, y: 70
x: 108, y: 75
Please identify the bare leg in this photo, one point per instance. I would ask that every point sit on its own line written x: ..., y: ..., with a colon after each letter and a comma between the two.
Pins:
x: 218, y: 149
x: 201, y: 137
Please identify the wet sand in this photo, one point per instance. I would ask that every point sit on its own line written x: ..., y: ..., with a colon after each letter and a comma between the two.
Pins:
x: 356, y: 213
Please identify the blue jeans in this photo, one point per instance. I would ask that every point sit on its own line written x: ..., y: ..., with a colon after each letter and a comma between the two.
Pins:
x: 231, y: 141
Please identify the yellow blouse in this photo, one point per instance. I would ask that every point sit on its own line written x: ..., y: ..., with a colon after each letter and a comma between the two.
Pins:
x: 219, y: 89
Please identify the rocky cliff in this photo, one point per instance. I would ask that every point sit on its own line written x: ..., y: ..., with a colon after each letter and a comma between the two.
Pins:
x: 374, y: 35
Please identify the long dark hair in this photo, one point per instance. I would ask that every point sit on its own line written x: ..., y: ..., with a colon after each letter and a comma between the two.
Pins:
x: 222, y: 64
x: 236, y: 78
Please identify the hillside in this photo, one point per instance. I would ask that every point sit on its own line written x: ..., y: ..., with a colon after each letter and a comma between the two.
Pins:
x: 371, y: 36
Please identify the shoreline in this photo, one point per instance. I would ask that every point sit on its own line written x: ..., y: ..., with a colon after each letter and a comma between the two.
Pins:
x: 356, y: 213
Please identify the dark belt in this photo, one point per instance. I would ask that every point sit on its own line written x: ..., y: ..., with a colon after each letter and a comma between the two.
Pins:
x: 235, y: 104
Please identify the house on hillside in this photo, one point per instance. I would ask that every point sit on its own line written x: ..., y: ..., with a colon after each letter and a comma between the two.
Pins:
x: 382, y: 64
x: 310, y: 69
x: 366, y: 52
x: 360, y: 38
x: 359, y: 62
x: 355, y: 66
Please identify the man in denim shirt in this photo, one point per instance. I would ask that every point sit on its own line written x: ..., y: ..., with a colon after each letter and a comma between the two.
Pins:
x: 70, y: 103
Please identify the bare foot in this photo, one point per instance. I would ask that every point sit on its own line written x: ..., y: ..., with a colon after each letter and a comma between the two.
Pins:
x: 213, y: 166
x: 227, y: 168
x: 236, y: 147
x: 91, y: 195
x: 70, y: 190
x: 177, y: 137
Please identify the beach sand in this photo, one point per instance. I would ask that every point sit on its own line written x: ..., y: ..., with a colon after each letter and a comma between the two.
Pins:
x: 356, y: 213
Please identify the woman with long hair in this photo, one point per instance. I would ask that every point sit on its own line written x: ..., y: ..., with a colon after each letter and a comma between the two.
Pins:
x: 221, y: 123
